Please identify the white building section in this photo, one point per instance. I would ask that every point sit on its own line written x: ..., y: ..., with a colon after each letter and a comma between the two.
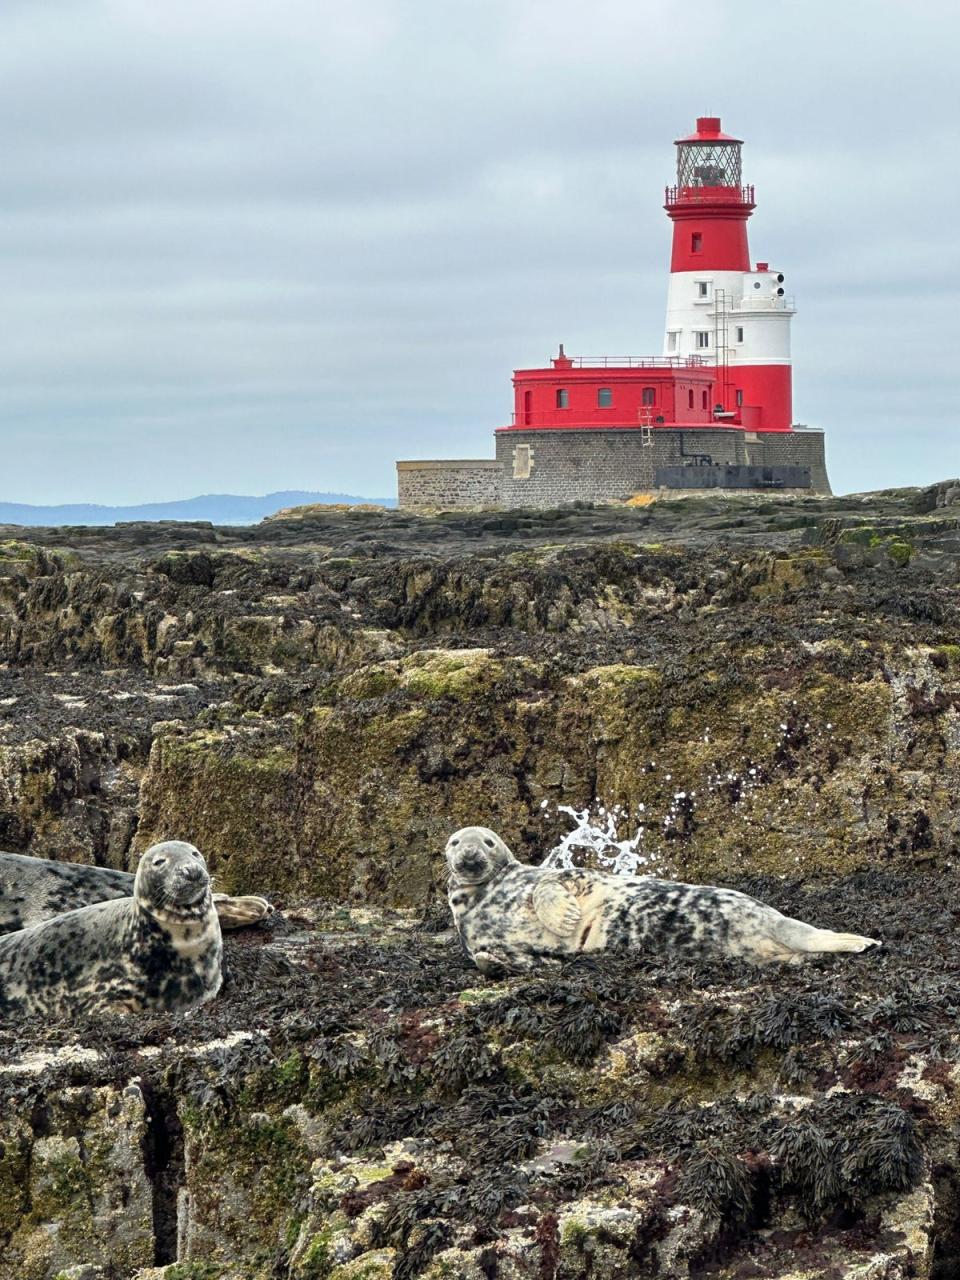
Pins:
x: 741, y: 316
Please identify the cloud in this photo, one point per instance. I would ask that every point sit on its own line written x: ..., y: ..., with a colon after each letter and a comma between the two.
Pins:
x: 244, y: 244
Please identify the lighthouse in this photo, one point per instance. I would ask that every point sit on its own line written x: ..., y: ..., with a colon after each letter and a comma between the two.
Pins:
x: 712, y: 411
x: 733, y: 315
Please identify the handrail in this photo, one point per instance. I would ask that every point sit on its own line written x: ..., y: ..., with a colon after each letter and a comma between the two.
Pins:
x: 708, y: 195
x: 631, y: 362
x: 537, y: 421
x: 748, y: 303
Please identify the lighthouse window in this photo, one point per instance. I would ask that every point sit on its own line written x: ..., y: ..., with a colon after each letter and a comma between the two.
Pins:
x: 704, y: 399
x: 696, y: 242
x: 690, y: 398
x: 672, y: 337
x: 739, y: 332
x: 703, y: 338
x: 739, y: 399
x: 604, y: 398
x: 563, y: 399
x: 648, y: 395
x: 703, y: 289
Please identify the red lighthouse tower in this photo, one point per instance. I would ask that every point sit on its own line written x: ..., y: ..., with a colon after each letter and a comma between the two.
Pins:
x: 719, y: 308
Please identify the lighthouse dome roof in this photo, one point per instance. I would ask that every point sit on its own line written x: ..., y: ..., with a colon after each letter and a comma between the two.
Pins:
x: 708, y: 130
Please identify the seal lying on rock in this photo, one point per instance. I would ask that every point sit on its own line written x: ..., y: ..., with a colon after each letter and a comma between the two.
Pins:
x: 159, y: 949
x: 36, y: 889
x: 512, y: 916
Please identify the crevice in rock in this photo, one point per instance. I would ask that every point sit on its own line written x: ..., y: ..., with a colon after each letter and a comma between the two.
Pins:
x: 946, y: 1225
x: 40, y: 1119
x: 163, y: 1162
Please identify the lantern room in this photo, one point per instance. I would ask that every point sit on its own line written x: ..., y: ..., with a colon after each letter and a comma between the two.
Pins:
x: 708, y: 158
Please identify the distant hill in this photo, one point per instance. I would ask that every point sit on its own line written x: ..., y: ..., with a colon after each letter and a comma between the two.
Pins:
x: 218, y: 508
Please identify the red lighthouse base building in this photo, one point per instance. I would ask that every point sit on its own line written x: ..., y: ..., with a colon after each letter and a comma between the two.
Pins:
x: 714, y: 411
x: 608, y: 391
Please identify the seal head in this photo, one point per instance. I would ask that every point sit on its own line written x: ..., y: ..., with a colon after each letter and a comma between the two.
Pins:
x: 172, y: 882
x: 475, y: 855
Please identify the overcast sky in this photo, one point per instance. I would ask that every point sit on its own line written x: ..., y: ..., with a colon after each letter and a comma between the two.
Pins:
x: 249, y: 245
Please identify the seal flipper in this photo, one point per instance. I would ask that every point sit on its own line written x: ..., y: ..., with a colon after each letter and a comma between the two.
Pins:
x: 495, y: 963
x: 555, y: 906
x: 791, y: 940
x: 237, y: 913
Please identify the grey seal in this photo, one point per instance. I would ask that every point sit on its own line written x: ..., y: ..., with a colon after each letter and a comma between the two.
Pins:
x: 36, y: 889
x: 159, y: 949
x: 511, y: 916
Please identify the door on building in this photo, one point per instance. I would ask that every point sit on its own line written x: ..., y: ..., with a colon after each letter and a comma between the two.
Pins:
x: 527, y: 408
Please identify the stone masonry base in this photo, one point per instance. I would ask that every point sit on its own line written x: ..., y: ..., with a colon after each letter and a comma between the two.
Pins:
x: 548, y: 468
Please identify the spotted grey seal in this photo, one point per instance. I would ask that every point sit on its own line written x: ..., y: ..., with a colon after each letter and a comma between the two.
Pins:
x: 36, y: 889
x: 515, y: 917
x: 159, y: 949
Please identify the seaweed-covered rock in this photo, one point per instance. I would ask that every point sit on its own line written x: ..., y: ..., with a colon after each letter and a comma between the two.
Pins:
x: 359, y: 1101
x: 325, y: 696
x: 770, y: 689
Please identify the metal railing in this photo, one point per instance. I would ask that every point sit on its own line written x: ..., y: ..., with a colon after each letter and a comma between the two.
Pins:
x: 636, y: 362
x: 767, y: 303
x: 618, y: 421
x: 707, y: 195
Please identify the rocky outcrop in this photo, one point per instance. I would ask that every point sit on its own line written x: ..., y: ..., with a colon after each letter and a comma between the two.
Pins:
x: 360, y: 1102
x: 771, y: 691
x: 780, y: 689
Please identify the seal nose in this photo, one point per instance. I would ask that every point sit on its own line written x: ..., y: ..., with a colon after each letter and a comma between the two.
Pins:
x: 192, y: 873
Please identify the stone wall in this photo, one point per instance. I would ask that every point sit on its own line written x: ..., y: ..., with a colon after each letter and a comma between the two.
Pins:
x: 804, y: 448
x: 548, y: 468
x: 761, y: 495
x: 597, y: 466
x: 570, y: 466
x: 463, y: 482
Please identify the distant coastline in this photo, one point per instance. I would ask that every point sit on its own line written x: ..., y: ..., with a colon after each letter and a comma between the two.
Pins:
x: 218, y: 508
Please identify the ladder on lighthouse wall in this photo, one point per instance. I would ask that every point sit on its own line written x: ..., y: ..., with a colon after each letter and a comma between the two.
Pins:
x: 645, y: 417
x: 721, y: 347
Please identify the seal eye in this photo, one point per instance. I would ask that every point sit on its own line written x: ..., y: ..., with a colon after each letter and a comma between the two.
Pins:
x: 488, y: 843
x: 159, y: 862
x: 454, y: 843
